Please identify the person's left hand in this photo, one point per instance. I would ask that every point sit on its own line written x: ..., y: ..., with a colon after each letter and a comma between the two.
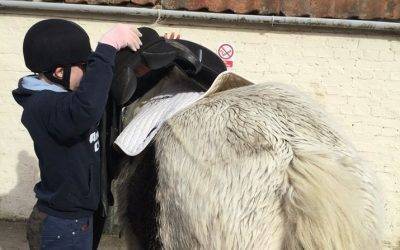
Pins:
x: 172, y: 35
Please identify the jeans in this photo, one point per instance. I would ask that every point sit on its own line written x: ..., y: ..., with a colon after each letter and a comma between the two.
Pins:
x: 49, y: 232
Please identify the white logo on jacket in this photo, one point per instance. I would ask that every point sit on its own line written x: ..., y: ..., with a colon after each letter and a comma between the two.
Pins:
x: 94, y: 137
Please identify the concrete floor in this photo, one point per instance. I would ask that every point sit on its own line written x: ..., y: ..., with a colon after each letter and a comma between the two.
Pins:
x: 12, y: 237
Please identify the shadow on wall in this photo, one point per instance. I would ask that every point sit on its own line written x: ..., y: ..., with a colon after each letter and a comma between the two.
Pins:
x: 18, y: 203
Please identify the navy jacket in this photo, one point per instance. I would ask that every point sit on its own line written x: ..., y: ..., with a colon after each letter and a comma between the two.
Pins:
x: 63, y: 127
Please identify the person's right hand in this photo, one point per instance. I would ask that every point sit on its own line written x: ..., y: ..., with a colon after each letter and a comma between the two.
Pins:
x: 121, y: 36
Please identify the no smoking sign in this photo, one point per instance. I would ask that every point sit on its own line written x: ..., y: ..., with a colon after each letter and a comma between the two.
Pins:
x: 226, y: 52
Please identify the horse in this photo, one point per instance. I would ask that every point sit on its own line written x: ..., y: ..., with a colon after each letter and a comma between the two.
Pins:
x: 241, y: 166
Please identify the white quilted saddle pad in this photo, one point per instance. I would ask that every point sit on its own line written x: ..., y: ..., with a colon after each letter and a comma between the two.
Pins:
x: 144, y: 126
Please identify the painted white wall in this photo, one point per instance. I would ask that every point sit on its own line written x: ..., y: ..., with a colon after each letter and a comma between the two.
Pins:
x: 356, y: 78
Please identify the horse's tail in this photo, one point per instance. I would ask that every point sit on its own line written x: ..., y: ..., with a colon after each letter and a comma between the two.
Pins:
x: 331, y: 204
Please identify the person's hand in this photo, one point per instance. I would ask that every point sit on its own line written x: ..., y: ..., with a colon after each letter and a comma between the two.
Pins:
x: 172, y: 35
x: 121, y: 36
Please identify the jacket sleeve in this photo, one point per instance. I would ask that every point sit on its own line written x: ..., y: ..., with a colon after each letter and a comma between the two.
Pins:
x: 80, y: 110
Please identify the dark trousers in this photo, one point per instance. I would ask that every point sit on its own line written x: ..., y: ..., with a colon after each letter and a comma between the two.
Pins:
x: 49, y: 232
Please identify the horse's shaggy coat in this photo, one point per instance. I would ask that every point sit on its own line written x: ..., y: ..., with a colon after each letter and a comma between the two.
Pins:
x: 254, y: 167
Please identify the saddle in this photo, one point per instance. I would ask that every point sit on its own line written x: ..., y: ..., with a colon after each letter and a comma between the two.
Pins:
x: 158, y: 56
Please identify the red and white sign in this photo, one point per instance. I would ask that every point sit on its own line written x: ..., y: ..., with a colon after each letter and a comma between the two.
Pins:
x: 226, y: 52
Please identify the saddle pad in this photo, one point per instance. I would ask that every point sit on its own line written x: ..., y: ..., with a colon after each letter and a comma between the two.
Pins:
x: 145, y: 125
x: 158, y: 109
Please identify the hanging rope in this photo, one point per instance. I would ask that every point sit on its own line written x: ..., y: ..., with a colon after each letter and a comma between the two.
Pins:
x: 159, y: 18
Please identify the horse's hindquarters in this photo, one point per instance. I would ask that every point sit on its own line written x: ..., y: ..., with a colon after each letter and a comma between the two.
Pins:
x: 258, y: 167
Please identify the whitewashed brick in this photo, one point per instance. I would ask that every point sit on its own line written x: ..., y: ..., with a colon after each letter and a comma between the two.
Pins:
x: 390, y: 132
x: 341, y: 53
x: 348, y: 42
x: 373, y: 43
x: 371, y: 54
x: 395, y: 76
x: 363, y: 74
x: 361, y: 106
x: 395, y: 45
x: 382, y: 74
x: 386, y: 56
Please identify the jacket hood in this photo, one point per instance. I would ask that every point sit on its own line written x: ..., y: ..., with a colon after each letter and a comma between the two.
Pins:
x: 29, y: 85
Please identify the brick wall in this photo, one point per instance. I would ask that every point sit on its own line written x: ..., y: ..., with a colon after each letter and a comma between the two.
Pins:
x: 356, y: 78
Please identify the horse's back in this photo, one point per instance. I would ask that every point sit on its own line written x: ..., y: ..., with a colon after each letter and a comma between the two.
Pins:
x: 260, y: 167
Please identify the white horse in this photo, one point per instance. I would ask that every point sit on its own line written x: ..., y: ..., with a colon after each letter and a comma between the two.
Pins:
x: 247, y: 167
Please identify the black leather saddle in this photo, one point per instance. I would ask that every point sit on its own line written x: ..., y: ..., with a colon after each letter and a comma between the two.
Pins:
x: 158, y: 54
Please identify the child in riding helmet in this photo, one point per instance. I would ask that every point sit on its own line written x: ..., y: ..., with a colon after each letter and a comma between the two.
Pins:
x: 62, y: 105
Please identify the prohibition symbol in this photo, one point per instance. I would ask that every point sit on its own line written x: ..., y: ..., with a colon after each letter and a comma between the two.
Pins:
x: 225, y: 51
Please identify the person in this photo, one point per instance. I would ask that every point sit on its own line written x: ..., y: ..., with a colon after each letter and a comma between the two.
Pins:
x: 62, y: 105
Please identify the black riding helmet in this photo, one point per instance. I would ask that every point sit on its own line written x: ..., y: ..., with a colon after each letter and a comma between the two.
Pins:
x: 53, y: 43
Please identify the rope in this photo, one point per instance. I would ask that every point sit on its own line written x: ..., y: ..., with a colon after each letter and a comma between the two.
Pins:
x: 159, y: 18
